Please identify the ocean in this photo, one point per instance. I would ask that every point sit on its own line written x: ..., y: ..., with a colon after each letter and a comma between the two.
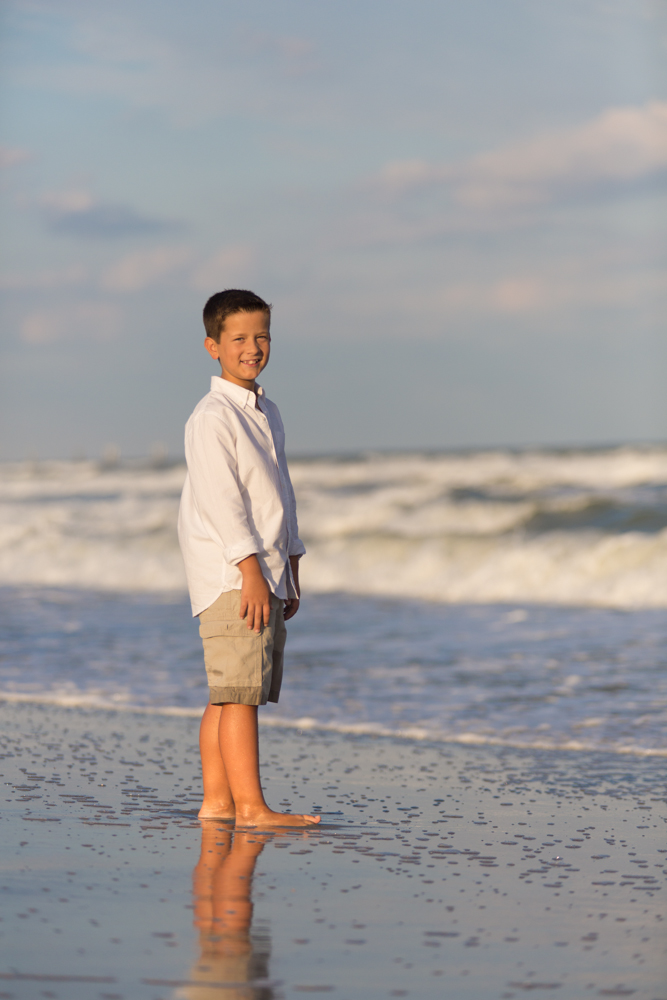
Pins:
x: 513, y: 598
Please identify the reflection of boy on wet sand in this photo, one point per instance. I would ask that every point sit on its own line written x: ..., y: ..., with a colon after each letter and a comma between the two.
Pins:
x: 222, y: 882
x: 238, y: 533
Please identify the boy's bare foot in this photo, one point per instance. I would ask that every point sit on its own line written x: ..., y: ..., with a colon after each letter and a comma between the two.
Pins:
x: 267, y: 817
x: 217, y: 810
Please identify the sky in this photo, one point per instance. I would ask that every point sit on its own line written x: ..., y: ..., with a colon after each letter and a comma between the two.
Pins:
x: 456, y: 209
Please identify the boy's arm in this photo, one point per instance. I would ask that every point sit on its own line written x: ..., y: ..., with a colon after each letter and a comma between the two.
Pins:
x: 292, y: 603
x: 210, y: 450
x: 296, y: 546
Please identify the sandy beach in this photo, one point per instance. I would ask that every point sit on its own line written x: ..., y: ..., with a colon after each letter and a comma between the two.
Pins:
x: 438, y: 870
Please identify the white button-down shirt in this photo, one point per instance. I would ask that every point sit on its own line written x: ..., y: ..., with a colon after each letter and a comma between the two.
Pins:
x: 237, y: 499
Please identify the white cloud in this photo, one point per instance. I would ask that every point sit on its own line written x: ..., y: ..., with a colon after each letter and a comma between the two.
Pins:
x: 572, y: 285
x: 516, y: 295
x: 121, y: 53
x: 402, y: 175
x: 622, y: 145
x: 190, y: 65
x: 137, y: 271
x: 562, y: 292
x: 64, y: 202
x: 75, y: 321
x: 511, y: 295
x: 295, y: 56
x: 11, y: 156
x: 75, y: 274
x: 80, y: 214
x: 225, y: 269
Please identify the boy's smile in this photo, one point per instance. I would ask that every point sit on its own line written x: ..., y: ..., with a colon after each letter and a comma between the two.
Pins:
x: 244, y: 348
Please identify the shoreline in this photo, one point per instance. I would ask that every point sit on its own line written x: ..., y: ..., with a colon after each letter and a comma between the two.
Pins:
x: 307, y: 725
x: 500, y: 870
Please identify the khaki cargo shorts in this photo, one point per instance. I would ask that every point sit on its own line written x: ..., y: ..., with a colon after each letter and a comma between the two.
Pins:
x: 242, y: 667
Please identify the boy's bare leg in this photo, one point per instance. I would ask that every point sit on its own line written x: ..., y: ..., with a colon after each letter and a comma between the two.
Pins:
x: 239, y: 747
x: 218, y: 802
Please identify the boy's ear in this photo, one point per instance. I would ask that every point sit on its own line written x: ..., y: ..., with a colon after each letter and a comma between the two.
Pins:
x: 213, y: 348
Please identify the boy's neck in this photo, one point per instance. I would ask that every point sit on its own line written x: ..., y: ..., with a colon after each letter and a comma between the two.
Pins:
x: 251, y: 385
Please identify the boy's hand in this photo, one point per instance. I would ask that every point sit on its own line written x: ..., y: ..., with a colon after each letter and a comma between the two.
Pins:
x: 291, y: 607
x: 255, y: 594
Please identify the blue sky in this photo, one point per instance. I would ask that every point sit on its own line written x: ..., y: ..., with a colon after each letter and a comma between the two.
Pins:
x: 457, y: 211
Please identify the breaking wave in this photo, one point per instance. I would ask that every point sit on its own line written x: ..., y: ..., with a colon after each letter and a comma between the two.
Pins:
x: 579, y: 527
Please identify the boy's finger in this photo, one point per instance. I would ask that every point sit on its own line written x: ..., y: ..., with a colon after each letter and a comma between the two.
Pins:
x: 244, y: 607
x: 267, y: 614
x: 257, y: 615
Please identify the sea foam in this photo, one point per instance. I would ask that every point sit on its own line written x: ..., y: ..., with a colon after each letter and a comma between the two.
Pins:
x: 579, y: 527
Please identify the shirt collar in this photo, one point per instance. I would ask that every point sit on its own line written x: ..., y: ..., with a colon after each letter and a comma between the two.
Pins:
x: 245, y: 397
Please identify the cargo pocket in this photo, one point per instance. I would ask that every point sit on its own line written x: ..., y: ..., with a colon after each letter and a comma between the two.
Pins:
x: 232, y: 654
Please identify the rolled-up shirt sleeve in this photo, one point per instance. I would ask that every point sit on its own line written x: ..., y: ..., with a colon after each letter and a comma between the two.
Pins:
x: 296, y: 546
x: 212, y: 466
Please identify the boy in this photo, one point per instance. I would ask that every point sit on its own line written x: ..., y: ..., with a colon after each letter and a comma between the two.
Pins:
x: 238, y: 533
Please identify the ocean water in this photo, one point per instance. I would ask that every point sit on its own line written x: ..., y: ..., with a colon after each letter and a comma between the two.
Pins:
x: 501, y: 597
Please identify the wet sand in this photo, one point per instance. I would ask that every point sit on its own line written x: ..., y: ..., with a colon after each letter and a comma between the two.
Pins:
x: 437, y: 871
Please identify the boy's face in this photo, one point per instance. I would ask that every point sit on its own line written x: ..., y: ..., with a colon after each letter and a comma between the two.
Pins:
x: 244, y: 348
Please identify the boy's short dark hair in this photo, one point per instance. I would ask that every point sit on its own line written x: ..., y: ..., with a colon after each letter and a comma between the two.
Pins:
x: 224, y: 304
